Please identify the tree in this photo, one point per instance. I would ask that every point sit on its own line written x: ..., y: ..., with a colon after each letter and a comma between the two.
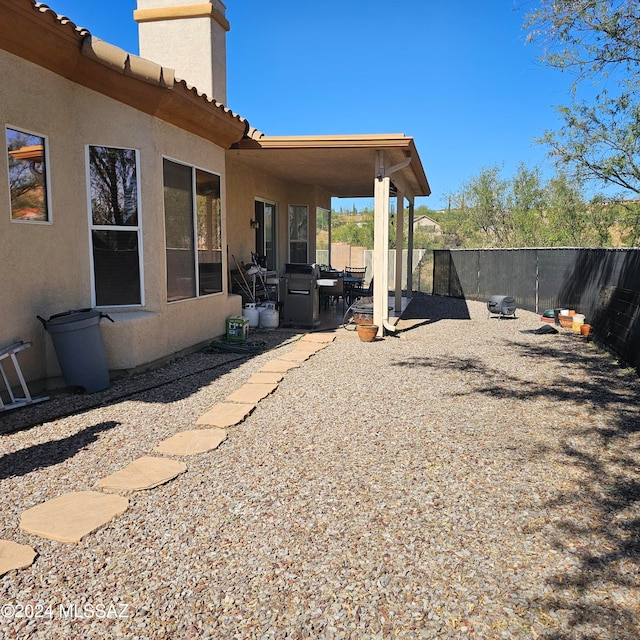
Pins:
x: 566, y: 212
x: 526, y: 202
x: 484, y: 201
x: 595, y: 40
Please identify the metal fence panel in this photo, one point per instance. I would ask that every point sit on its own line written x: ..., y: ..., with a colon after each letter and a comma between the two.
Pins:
x: 603, y: 284
x: 465, y: 264
x: 510, y: 272
x: 555, y: 268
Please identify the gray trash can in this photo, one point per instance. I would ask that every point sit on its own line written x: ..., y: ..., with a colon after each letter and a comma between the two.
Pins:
x: 79, y: 347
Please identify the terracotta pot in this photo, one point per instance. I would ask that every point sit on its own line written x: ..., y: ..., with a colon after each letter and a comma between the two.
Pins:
x: 362, y: 318
x: 585, y: 329
x: 367, y: 332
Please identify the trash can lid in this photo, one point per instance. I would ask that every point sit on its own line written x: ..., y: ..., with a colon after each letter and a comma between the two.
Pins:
x: 73, y: 315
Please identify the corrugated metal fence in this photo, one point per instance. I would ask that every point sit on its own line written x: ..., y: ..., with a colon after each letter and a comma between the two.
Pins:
x: 603, y: 284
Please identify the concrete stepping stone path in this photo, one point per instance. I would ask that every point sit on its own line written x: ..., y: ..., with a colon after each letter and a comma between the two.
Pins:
x: 278, y: 366
x: 297, y: 355
x: 187, y: 443
x: 261, y: 377
x: 72, y: 516
x: 252, y: 392
x: 144, y: 473
x: 226, y: 414
x: 310, y: 347
x: 324, y: 338
x: 15, y: 556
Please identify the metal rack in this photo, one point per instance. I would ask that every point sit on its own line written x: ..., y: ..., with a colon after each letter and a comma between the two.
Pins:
x: 257, y: 286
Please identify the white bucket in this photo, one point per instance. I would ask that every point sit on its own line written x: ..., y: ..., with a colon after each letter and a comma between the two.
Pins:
x: 578, y: 321
x: 252, y: 313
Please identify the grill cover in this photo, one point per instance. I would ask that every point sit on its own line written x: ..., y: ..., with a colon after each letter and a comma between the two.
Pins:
x: 502, y: 305
x: 300, y: 295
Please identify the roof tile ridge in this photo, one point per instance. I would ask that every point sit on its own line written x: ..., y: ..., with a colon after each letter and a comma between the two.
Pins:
x: 61, y: 19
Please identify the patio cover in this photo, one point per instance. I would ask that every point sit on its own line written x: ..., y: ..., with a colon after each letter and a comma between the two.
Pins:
x: 351, y: 166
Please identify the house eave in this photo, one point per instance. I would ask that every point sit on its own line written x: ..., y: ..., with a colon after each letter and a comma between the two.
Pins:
x: 34, y: 32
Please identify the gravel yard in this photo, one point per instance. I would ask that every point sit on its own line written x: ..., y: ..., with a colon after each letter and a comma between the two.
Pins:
x: 465, y: 478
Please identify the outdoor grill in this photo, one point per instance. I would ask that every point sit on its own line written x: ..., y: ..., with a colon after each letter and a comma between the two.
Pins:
x: 300, y: 295
x: 502, y: 306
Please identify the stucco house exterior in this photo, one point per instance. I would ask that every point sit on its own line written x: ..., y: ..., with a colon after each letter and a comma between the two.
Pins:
x: 128, y: 183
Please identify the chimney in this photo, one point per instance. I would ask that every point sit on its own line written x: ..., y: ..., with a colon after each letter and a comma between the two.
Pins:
x: 189, y: 38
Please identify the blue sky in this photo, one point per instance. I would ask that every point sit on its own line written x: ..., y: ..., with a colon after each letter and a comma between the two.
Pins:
x: 457, y: 75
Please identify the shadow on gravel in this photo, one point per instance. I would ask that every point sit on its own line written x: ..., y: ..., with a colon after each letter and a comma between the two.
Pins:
x: 433, y: 308
x: 155, y: 385
x: 595, y: 524
x: 47, y: 454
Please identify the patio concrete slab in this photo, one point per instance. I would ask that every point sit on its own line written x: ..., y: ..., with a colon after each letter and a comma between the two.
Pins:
x: 252, y: 392
x: 187, y: 443
x: 144, y: 473
x: 72, y: 516
x: 262, y: 377
x: 226, y: 414
x: 279, y: 366
x: 15, y: 556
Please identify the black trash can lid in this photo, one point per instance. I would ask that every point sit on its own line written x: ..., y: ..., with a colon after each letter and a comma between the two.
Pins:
x: 73, y: 315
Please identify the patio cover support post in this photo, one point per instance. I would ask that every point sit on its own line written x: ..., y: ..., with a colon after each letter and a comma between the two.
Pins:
x: 410, y: 252
x: 399, y: 246
x: 381, y: 190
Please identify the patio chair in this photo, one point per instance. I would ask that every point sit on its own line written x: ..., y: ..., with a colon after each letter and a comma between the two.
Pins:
x: 360, y: 291
x: 359, y: 273
x: 331, y: 295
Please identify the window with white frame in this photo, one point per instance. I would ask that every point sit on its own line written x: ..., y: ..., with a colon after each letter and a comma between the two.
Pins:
x: 116, y: 240
x: 28, y: 176
x: 193, y: 231
x: 298, y: 233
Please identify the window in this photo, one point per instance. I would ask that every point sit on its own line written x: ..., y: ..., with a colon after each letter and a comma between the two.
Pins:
x: 193, y: 231
x: 115, y: 226
x: 265, y: 218
x: 298, y: 233
x: 323, y: 236
x: 27, y: 156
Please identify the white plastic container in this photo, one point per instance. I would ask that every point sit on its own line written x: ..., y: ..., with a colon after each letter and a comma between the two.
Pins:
x: 578, y: 321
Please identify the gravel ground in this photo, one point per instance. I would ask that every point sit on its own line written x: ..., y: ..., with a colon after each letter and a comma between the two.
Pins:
x: 465, y: 478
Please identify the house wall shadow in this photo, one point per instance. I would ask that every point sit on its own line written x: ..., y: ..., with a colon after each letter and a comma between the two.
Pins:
x: 47, y: 454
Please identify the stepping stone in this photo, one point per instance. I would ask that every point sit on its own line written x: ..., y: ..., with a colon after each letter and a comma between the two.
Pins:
x: 226, y: 414
x: 252, y: 392
x: 279, y: 366
x: 295, y: 356
x: 72, y: 516
x: 262, y: 377
x: 311, y: 347
x: 15, y: 556
x: 144, y: 473
x: 187, y: 443
x: 325, y: 338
